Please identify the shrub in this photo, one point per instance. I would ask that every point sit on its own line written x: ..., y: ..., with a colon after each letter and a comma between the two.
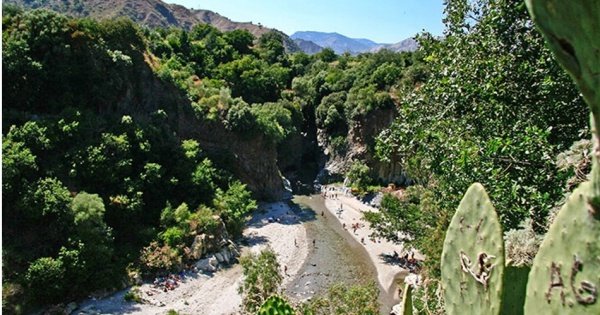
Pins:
x: 261, y: 278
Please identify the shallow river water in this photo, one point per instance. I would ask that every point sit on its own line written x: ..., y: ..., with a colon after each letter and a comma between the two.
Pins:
x: 335, y: 257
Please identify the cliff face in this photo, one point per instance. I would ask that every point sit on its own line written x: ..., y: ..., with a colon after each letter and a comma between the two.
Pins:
x: 359, y: 146
x: 253, y: 161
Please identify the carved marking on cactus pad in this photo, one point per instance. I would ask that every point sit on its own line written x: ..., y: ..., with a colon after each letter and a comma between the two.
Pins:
x: 586, y: 287
x: 479, y: 225
x: 555, y: 282
x: 483, y: 267
x: 593, y: 205
x: 585, y: 294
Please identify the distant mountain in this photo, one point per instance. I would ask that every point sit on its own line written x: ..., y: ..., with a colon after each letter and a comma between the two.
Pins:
x: 341, y: 44
x: 366, y: 42
x: 308, y: 46
x: 409, y: 44
x: 150, y: 13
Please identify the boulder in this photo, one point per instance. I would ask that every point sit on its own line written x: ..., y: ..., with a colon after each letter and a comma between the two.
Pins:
x: 70, y: 308
x: 226, y: 255
x: 198, y: 246
x: 219, y: 257
x: 212, y: 260
x: 205, y: 265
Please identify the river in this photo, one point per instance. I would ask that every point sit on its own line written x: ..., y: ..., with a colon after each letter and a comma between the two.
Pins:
x: 336, y: 256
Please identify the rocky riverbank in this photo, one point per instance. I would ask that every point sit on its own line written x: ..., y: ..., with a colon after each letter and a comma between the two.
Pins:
x: 216, y: 293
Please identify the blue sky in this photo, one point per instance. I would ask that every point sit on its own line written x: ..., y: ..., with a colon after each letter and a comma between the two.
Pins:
x: 383, y: 21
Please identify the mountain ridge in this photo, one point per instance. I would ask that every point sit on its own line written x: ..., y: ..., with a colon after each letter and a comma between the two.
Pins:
x: 344, y: 44
x: 150, y: 13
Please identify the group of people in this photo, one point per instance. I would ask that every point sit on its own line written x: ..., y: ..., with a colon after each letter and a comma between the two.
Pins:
x: 331, y: 192
x: 170, y: 282
x: 407, y: 260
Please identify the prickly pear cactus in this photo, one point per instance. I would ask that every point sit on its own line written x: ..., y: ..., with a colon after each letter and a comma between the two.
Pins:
x: 407, y: 306
x: 275, y: 305
x: 571, y: 30
x: 473, y: 257
x: 513, y: 291
x: 565, y: 277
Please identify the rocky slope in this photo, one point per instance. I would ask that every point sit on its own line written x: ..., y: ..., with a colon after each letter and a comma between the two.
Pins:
x: 360, y: 141
x: 150, y: 13
x: 409, y: 44
x: 308, y: 46
x: 338, y: 42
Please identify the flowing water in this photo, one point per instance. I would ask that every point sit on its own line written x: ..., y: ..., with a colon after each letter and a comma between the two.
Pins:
x: 335, y: 257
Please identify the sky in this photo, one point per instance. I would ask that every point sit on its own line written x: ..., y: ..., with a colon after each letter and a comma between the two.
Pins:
x: 383, y: 21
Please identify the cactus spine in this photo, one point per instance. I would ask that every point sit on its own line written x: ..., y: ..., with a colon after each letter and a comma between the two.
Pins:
x: 473, y: 257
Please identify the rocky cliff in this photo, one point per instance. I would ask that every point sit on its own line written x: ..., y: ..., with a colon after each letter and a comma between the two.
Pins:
x: 359, y: 146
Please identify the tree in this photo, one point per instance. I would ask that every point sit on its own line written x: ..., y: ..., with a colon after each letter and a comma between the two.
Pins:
x: 261, y: 278
x: 45, y: 278
x: 240, y: 40
x: 233, y: 206
x: 359, y: 176
x: 326, y: 55
x: 342, y: 299
x: 95, y: 235
x: 271, y: 48
x: 496, y: 109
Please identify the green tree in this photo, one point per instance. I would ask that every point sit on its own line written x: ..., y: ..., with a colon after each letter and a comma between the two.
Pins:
x: 343, y: 299
x: 359, y: 176
x: 233, y: 206
x: 92, y: 231
x: 45, y: 278
x: 261, y: 278
x: 326, y: 55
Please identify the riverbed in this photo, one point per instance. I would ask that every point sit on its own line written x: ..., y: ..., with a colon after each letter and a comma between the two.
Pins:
x: 310, y: 269
x: 335, y: 257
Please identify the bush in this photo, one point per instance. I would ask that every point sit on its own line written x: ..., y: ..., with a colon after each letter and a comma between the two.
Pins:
x: 45, y: 279
x: 261, y: 278
x: 342, y: 299
x: 133, y: 295
x: 156, y: 258
x: 521, y: 245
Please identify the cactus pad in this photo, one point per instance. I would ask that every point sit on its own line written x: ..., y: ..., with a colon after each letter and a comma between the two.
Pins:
x: 565, y: 277
x: 473, y: 257
x: 513, y: 291
x: 407, y: 305
x: 571, y: 30
x: 276, y: 305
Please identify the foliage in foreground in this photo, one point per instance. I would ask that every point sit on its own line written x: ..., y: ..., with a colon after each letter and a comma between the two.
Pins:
x: 262, y: 278
x: 343, y: 299
x: 497, y: 109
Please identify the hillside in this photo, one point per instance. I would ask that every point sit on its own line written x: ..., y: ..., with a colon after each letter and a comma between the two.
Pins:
x: 308, y: 46
x: 409, y: 44
x: 150, y: 13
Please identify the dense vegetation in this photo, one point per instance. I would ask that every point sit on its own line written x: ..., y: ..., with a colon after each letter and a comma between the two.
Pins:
x: 101, y: 175
x: 497, y: 110
x: 99, y: 181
